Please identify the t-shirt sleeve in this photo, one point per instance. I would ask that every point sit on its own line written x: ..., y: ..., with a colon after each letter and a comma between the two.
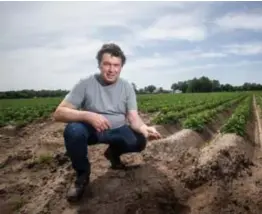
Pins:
x: 76, y: 95
x: 131, y: 98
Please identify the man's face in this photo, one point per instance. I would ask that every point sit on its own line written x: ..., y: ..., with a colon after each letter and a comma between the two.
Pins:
x: 110, y: 68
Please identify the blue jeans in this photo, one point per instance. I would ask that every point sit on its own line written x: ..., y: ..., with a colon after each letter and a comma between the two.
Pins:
x: 78, y: 135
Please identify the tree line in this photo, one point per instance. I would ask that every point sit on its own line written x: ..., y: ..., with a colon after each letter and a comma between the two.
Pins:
x: 202, y: 84
x: 195, y: 85
x: 32, y: 94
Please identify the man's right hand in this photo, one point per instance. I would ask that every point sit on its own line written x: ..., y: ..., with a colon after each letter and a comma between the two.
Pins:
x: 98, y: 121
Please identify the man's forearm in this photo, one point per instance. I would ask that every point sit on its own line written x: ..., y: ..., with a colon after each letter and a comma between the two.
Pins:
x: 64, y: 114
x: 137, y: 124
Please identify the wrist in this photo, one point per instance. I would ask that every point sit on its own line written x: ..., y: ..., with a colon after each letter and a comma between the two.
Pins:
x: 142, y: 127
x: 143, y: 130
x: 86, y: 115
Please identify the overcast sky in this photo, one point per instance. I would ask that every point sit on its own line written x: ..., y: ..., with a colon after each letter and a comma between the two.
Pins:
x: 47, y: 45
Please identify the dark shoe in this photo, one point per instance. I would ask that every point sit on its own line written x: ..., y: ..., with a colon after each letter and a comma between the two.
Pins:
x: 114, y: 159
x: 76, y: 190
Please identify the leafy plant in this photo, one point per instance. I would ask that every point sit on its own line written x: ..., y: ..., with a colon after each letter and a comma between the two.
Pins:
x: 237, y: 122
x: 175, y: 116
x: 199, y: 120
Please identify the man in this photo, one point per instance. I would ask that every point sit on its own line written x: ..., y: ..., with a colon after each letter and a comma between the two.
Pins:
x: 102, y: 108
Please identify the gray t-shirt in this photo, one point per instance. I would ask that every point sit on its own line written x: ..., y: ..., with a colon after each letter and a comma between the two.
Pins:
x: 112, y: 101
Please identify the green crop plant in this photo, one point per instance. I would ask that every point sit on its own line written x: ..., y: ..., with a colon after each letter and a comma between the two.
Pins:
x: 238, y: 120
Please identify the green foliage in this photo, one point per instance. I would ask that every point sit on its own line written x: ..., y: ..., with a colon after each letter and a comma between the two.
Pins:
x: 194, y: 123
x: 204, y: 84
x: 32, y: 94
x: 259, y: 102
x: 198, y: 121
x: 20, y: 112
x: 173, y: 114
x: 176, y: 102
x: 171, y: 107
x: 237, y: 122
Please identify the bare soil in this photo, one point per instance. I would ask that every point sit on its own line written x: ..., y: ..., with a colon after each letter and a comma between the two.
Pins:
x: 257, y: 123
x: 185, y: 172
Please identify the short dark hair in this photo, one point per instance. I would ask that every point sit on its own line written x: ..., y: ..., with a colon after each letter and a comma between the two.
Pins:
x: 112, y: 49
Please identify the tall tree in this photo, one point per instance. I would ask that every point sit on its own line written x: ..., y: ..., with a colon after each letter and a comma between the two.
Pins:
x: 150, y: 88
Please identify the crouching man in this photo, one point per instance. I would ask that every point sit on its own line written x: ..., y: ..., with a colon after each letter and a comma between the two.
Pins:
x: 102, y: 108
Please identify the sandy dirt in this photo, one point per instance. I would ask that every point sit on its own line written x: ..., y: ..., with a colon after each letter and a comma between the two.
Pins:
x: 186, y: 172
x: 258, y: 123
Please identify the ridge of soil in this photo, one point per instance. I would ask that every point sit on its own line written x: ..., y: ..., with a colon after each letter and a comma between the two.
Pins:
x: 258, y: 121
x: 186, y: 172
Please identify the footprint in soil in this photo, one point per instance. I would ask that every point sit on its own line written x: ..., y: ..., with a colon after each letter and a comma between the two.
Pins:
x: 142, y: 189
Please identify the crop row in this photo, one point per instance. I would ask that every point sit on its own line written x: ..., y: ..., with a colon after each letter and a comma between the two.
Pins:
x: 259, y: 102
x: 24, y: 111
x: 174, y: 116
x: 177, y: 102
x: 238, y: 120
x: 25, y: 115
x: 170, y: 106
x: 199, y: 120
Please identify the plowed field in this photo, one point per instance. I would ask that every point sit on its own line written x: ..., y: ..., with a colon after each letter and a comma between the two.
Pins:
x: 209, y: 161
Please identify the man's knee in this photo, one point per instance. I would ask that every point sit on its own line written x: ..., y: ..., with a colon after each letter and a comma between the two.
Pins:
x: 141, y: 142
x: 75, y: 131
x: 137, y: 142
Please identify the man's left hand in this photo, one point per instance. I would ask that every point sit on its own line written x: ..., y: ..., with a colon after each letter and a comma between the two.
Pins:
x: 150, y: 133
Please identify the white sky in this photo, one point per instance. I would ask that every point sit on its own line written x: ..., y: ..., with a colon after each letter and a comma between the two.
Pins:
x: 47, y: 45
